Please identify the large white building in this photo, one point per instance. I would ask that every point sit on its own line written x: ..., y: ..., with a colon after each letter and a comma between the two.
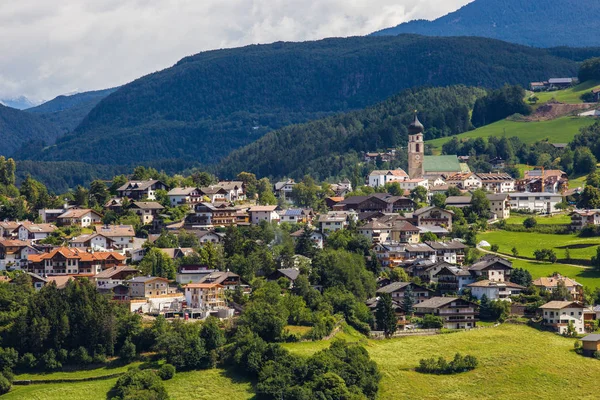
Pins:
x: 559, y: 314
x: 541, y: 203
x: 382, y: 178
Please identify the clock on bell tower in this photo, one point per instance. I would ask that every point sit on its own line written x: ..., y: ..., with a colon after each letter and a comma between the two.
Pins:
x: 416, y: 149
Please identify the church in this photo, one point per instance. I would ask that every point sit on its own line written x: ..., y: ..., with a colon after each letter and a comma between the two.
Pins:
x: 422, y: 166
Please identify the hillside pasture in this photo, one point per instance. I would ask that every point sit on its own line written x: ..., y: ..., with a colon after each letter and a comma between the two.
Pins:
x: 568, y: 96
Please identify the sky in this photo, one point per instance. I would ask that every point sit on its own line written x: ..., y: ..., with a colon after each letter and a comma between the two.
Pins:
x: 50, y: 48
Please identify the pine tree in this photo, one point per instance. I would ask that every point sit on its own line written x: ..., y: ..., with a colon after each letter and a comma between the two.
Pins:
x: 386, y: 315
x: 409, y: 301
x: 485, y: 310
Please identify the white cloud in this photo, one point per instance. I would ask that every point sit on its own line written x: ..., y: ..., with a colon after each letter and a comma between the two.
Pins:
x: 49, y: 48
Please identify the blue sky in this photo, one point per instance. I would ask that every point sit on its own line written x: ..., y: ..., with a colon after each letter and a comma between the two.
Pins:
x: 50, y: 48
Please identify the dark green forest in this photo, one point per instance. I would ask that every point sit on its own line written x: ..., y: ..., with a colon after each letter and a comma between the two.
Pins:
x: 18, y: 127
x: 547, y: 23
x: 332, y: 146
x: 212, y: 103
x: 67, y: 112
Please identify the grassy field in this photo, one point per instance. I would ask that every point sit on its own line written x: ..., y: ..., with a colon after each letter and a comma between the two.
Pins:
x: 569, y: 96
x: 577, y: 182
x: 516, y: 362
x: 586, y: 276
x: 203, y: 385
x: 560, y: 130
x: 561, y: 219
x: 526, y: 243
x: 298, y: 330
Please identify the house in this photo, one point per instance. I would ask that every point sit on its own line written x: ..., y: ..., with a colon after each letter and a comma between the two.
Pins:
x: 37, y: 281
x: 29, y: 231
x: 73, y: 261
x: 14, y: 254
x: 115, y: 275
x: 193, y: 273
x: 492, y: 268
x: 82, y: 218
x: 541, y: 203
x: 498, y: 163
x: 465, y: 181
x: 405, y: 232
x: 495, y: 290
x: 118, y: 291
x: 204, y: 296
x: 411, y: 184
x: 548, y: 284
x: 452, y: 279
x: 452, y: 252
x: 228, y: 280
x: 538, y: 86
x: 185, y: 196
x: 458, y: 201
x: 434, y: 216
x: 341, y: 188
x: 121, y: 236
x: 289, y: 274
x: 499, y: 205
x: 207, y: 237
x: 544, y: 180
x: 384, y: 157
x: 208, y: 215
x: 559, y: 314
x: 92, y: 241
x: 591, y: 345
x: 147, y: 286
x: 236, y: 190
x: 178, y: 253
x: 214, y: 194
x: 9, y: 229
x: 315, y: 236
x: 264, y: 213
x: 376, y: 231
x: 336, y: 220
x: 419, y: 251
x: 497, y: 182
x: 284, y: 189
x: 141, y: 190
x: 562, y: 83
x: 147, y: 210
x: 379, y: 178
x: 297, y: 216
x: 581, y: 218
x: 390, y: 254
x: 398, y: 289
x: 456, y: 313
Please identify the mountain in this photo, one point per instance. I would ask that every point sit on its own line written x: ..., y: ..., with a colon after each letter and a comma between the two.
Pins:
x: 331, y: 147
x: 68, y: 111
x: 211, y: 103
x: 18, y: 127
x: 547, y: 23
x: 18, y: 103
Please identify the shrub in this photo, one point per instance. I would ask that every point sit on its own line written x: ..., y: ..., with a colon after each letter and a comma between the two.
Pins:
x: 530, y: 222
x: 495, y: 248
x: 28, y: 361
x: 80, y: 356
x: 578, y: 347
x: 49, y: 362
x: 430, y: 321
x: 8, y: 358
x: 442, y: 367
x: 137, y: 384
x: 597, y: 355
x: 5, y: 384
x: 166, y: 372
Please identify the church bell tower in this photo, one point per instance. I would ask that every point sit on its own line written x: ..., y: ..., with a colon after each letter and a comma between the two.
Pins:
x: 416, y: 149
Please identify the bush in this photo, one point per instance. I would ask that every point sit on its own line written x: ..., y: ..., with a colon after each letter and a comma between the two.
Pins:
x: 137, y: 384
x: 597, y: 355
x: 5, y: 384
x: 442, y: 367
x: 166, y: 372
x: 8, y: 358
x: 49, y: 362
x: 530, y: 222
x: 28, y: 362
x: 495, y: 248
x: 80, y: 356
x: 430, y: 321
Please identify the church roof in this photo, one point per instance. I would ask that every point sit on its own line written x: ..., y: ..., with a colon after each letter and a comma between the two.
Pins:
x: 441, y: 164
x: 416, y: 126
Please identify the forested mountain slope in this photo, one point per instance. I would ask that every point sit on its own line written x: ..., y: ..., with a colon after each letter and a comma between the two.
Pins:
x: 18, y: 127
x: 67, y: 112
x: 547, y: 23
x: 327, y: 147
x: 212, y: 103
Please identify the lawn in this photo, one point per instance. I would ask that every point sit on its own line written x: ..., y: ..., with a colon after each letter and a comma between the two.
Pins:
x: 526, y: 243
x: 562, y: 219
x: 208, y: 384
x: 569, y: 96
x: 577, y: 182
x: 516, y: 362
x: 586, y: 276
x: 298, y: 330
x: 560, y: 130
x: 104, y: 371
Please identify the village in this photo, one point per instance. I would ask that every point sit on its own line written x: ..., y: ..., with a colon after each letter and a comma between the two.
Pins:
x: 408, y: 223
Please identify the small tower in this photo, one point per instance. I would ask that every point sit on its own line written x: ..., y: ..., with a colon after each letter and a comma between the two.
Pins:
x: 416, y: 149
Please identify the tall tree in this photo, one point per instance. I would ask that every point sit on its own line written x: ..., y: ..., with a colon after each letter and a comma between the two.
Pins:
x: 386, y: 315
x: 408, y: 301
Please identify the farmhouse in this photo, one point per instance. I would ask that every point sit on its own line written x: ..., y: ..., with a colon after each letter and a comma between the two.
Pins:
x: 434, y: 217
x: 32, y: 232
x: 398, y: 290
x: 184, y: 196
x: 381, y: 178
x: 492, y: 268
x: 541, y: 203
x: 264, y: 213
x: 548, y: 284
x: 141, y: 190
x: 495, y: 290
x: 559, y: 314
x: 465, y: 181
x: 497, y: 182
x: 209, y: 215
x: 581, y: 218
x: 456, y: 313
x: 82, y: 218
x: 147, y: 210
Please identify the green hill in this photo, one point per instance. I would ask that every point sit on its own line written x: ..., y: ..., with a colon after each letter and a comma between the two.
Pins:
x: 18, y: 127
x: 568, y: 96
x: 67, y: 112
x: 212, y: 103
x: 545, y: 23
x: 560, y: 130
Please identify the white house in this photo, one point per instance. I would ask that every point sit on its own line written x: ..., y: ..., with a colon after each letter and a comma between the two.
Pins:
x: 497, y: 182
x: 376, y: 231
x: 33, y: 232
x: 499, y: 205
x: 184, y: 196
x: 541, y: 203
x: 495, y: 290
x: 315, y: 236
x: 382, y: 177
x: 121, y: 235
x: 559, y: 314
x: 466, y: 181
x: 284, y: 188
x: 410, y: 184
x: 236, y: 190
x: 82, y: 218
x: 336, y: 220
x: 263, y: 213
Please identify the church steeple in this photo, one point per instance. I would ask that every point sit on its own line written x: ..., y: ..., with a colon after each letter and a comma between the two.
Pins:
x: 416, y: 148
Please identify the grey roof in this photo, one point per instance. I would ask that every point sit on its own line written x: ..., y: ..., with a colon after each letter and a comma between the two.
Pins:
x: 497, y: 196
x: 137, y: 185
x: 436, y: 302
x: 591, y: 338
x: 486, y: 262
x: 419, y: 247
x: 452, y: 245
x: 458, y: 200
x: 560, y: 80
x: 148, y: 205
x: 291, y: 273
x: 144, y: 279
x: 392, y: 287
x: 293, y: 212
x: 429, y: 208
x: 181, y: 191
